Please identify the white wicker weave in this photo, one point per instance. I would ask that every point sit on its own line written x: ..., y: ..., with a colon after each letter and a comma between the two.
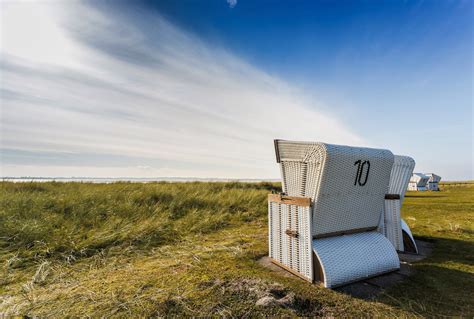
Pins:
x: 400, y: 175
x: 354, y: 257
x: 292, y: 252
x: 347, y: 186
x: 399, y: 178
x: 327, y: 174
x: 392, y: 228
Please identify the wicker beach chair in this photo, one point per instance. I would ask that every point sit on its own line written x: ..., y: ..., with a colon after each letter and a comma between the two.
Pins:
x: 324, y: 225
x: 391, y: 224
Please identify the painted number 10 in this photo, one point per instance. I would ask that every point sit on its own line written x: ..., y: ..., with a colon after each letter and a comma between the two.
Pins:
x: 361, y: 167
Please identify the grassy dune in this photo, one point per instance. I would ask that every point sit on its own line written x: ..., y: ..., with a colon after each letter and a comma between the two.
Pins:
x: 158, y: 249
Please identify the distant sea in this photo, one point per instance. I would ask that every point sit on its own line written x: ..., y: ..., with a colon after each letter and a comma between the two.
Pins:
x: 130, y: 179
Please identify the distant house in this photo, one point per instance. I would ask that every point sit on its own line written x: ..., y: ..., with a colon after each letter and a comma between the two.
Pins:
x: 433, y: 181
x: 418, y: 182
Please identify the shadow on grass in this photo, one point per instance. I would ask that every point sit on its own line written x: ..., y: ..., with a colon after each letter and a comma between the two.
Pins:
x: 433, y: 291
x: 447, y: 250
x: 436, y: 288
x: 440, y: 285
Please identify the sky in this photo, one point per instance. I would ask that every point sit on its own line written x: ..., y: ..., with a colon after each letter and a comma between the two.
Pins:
x: 201, y: 88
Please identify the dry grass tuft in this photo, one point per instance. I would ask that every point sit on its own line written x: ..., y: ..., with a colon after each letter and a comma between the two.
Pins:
x: 192, y: 249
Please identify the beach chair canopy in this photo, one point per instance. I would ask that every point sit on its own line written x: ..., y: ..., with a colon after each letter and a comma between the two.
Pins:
x: 347, y: 185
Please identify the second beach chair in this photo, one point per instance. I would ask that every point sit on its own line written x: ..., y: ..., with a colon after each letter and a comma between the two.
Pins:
x: 391, y: 224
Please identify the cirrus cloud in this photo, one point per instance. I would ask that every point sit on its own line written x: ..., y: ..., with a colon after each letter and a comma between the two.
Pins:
x: 85, y: 88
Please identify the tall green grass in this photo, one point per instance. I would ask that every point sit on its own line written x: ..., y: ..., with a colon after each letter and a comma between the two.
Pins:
x: 73, y: 220
x: 192, y: 249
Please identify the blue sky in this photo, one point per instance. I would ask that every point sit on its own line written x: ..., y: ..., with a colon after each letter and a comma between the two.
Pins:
x: 200, y: 88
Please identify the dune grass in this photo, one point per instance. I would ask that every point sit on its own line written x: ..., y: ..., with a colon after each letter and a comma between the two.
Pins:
x: 192, y: 249
x: 444, y: 284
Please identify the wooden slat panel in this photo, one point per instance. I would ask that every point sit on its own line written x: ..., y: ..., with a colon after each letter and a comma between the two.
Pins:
x: 290, y: 270
x: 346, y: 232
x: 289, y: 200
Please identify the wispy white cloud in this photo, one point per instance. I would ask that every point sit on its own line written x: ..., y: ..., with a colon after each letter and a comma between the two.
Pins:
x: 100, y: 84
x: 232, y: 3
